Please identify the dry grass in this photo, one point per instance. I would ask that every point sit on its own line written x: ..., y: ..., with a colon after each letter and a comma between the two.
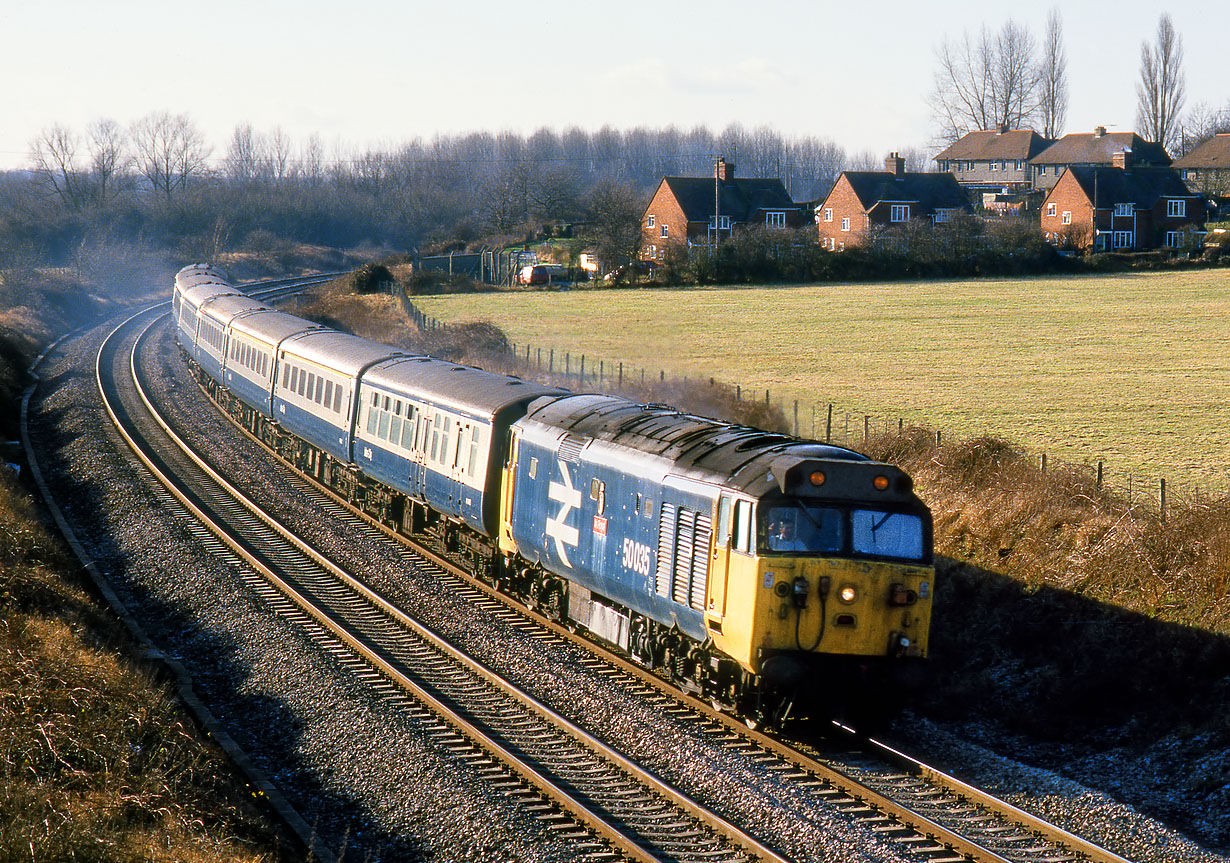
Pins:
x: 97, y: 761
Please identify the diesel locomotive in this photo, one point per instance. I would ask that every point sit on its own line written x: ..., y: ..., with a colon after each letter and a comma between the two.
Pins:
x: 764, y: 573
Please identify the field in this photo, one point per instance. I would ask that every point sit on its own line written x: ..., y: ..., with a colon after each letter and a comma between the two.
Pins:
x: 1132, y: 370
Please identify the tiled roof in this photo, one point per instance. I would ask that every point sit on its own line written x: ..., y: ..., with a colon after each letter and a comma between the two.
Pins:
x: 1090, y: 148
x: 1213, y: 153
x: 929, y: 191
x: 993, y: 144
x: 1143, y: 187
x: 738, y: 197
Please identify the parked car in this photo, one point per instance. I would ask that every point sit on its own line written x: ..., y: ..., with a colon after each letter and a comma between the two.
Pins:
x: 542, y: 274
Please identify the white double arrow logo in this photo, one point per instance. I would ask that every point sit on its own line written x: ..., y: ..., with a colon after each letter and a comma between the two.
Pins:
x: 558, y: 528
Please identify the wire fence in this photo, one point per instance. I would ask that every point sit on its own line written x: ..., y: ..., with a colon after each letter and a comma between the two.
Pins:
x: 827, y: 422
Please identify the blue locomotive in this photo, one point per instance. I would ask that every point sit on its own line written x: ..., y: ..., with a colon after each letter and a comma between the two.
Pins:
x: 753, y: 568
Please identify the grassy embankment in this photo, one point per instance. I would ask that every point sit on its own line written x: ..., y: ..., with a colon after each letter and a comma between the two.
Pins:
x: 97, y: 760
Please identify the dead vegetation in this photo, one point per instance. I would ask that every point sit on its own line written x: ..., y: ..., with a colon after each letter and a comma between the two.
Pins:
x: 97, y: 760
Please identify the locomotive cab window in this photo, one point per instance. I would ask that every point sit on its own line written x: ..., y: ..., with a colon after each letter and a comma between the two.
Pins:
x: 801, y: 527
x: 887, y: 534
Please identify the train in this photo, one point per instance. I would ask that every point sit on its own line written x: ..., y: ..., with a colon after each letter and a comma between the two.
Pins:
x: 770, y: 575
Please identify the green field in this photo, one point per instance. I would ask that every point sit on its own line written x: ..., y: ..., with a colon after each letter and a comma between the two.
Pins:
x: 1132, y: 370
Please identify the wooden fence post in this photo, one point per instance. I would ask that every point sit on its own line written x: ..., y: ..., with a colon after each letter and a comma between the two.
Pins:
x: 828, y: 426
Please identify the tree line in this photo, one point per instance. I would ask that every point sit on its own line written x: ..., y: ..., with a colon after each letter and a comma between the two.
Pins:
x: 156, y: 181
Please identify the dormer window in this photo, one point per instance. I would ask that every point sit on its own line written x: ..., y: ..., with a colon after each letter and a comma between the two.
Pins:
x: 775, y: 220
x: 899, y: 213
x: 1123, y: 209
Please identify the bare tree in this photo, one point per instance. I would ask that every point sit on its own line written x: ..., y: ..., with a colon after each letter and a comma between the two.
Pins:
x: 54, y: 157
x: 277, y: 155
x: 169, y: 151
x: 1053, y: 78
x: 986, y: 83
x: 614, y: 212
x: 242, y: 154
x: 1162, y: 87
x: 108, y: 155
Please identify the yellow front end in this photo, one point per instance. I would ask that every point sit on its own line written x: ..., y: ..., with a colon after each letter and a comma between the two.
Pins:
x: 770, y: 605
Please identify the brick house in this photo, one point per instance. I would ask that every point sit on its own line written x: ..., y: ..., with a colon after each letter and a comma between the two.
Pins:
x: 1206, y: 169
x: 995, y: 160
x: 1096, y: 149
x: 861, y: 200
x: 1123, y: 206
x: 687, y: 211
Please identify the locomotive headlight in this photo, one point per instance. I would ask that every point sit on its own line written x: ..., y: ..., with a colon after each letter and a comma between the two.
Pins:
x: 847, y: 594
x: 817, y: 477
x: 880, y: 483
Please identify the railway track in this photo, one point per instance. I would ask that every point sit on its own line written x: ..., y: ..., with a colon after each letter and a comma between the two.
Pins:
x: 934, y: 816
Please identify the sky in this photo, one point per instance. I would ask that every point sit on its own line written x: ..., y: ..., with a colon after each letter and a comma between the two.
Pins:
x: 377, y: 73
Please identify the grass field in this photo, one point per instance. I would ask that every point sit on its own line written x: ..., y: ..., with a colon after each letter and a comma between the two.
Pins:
x: 1132, y: 370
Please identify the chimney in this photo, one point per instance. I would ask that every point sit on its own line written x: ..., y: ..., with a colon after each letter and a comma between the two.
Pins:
x: 1122, y: 160
x: 1003, y: 128
x: 723, y: 171
x: 1099, y: 131
x: 895, y: 165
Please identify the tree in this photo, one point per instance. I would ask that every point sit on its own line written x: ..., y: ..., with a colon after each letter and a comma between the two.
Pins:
x: 169, y: 151
x: 108, y: 156
x: 1053, y: 79
x: 614, y: 223
x: 54, y: 157
x: 1162, y: 87
x: 988, y: 83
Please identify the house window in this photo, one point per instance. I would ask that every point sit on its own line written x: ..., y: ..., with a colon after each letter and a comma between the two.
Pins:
x: 1016, y: 164
x: 969, y: 166
x: 1042, y: 170
x: 1183, y: 173
x: 845, y: 223
x: 1050, y: 209
x: 943, y: 215
x: 651, y: 219
x: 1174, y: 239
x: 722, y: 223
x: 1123, y: 209
x: 899, y: 213
x: 1176, y: 208
x: 775, y: 220
x: 1123, y: 239
x: 1067, y: 217
x: 828, y: 214
x: 665, y: 231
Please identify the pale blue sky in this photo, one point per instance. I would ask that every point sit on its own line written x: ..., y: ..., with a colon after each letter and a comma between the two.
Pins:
x: 375, y: 73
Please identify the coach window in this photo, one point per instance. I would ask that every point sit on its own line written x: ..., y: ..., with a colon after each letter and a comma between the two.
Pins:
x: 435, y: 436
x: 382, y: 431
x: 448, y: 429
x: 473, y: 452
x: 320, y: 390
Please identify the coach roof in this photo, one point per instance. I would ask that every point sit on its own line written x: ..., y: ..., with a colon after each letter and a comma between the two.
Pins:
x: 340, y: 352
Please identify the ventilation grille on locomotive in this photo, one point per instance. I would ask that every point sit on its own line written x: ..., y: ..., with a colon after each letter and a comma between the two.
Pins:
x: 683, y: 555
